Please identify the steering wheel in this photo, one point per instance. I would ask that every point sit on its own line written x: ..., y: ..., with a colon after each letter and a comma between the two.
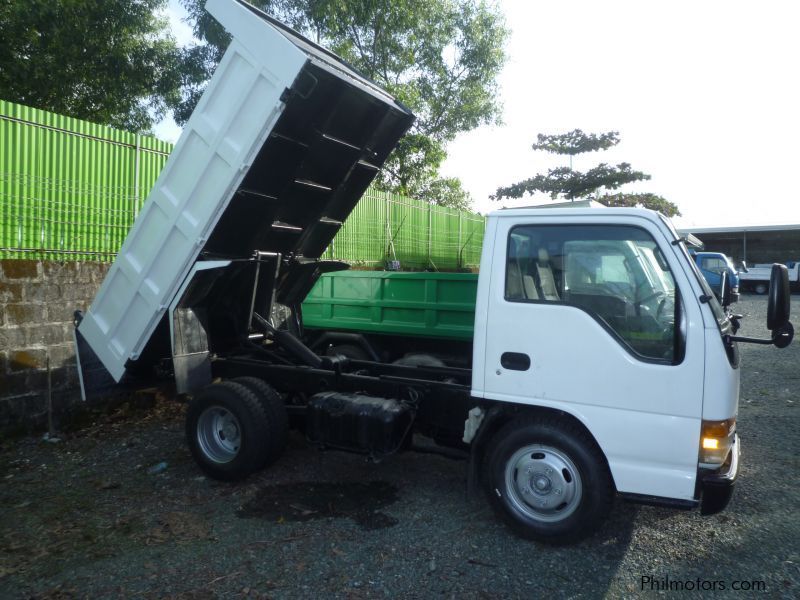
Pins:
x: 637, y: 305
x: 661, y: 305
x: 652, y: 296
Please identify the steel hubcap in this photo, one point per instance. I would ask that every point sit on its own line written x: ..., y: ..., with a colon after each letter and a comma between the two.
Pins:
x: 219, y: 434
x: 543, y: 483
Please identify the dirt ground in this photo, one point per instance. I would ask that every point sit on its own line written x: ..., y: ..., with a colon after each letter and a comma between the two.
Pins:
x: 117, y: 508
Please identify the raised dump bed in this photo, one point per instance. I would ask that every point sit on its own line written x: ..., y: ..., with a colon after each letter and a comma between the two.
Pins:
x: 283, y: 143
x: 435, y: 305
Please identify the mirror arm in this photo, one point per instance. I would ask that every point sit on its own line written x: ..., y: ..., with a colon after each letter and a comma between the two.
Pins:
x: 735, y: 321
x: 735, y: 338
x: 781, y: 337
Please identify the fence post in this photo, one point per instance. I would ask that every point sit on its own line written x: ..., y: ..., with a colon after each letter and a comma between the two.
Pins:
x: 430, y: 231
x: 387, y: 230
x: 458, y: 248
x: 136, y: 177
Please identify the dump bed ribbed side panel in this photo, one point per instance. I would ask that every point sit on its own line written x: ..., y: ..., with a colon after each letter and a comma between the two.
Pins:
x: 235, y: 115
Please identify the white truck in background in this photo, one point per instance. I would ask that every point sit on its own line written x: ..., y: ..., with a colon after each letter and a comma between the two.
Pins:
x: 756, y: 278
x: 601, y: 364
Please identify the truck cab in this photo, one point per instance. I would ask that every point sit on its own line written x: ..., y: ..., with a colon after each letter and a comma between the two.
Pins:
x: 601, y: 320
x: 712, y: 265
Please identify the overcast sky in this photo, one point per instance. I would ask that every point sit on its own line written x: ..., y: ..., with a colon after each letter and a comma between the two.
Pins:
x: 705, y: 95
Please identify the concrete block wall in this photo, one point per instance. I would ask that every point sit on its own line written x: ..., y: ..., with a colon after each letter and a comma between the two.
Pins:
x: 37, y: 302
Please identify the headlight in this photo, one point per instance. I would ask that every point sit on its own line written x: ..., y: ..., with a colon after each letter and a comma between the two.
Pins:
x: 716, y: 439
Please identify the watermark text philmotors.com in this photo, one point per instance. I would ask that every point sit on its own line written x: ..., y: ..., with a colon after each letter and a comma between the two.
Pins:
x: 669, y: 584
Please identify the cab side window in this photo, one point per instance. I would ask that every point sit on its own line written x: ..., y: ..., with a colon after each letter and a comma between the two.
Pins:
x: 617, y: 274
x: 715, y: 265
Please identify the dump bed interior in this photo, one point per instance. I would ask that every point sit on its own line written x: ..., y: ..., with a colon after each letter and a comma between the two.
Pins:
x: 283, y: 143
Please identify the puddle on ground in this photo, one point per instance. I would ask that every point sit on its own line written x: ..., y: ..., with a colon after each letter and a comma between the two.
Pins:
x: 304, y: 501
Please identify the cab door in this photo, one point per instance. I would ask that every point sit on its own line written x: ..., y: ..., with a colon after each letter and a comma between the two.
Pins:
x: 590, y: 316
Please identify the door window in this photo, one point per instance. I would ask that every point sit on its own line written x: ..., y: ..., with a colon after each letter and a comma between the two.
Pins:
x: 715, y: 265
x: 617, y: 274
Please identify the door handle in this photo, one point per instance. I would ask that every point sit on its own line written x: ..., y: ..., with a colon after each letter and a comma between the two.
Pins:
x: 515, y: 361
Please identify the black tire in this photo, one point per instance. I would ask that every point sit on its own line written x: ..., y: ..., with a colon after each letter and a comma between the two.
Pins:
x: 761, y: 288
x: 277, y: 418
x: 565, y: 490
x: 227, y: 431
x: 350, y: 351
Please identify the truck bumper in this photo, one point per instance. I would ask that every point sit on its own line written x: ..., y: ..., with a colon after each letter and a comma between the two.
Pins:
x: 717, y: 486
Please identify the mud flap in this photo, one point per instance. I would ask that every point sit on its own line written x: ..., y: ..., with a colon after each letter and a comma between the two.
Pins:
x: 95, y: 380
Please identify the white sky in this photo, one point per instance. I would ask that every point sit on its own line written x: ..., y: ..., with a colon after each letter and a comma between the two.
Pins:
x: 705, y: 95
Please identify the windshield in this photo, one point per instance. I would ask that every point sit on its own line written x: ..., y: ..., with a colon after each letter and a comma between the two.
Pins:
x: 716, y: 308
x: 658, y: 270
x: 633, y: 269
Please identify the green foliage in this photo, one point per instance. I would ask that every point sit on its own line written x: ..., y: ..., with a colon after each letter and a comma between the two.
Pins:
x: 576, y: 142
x: 441, y: 58
x: 444, y: 191
x: 570, y: 184
x: 105, y: 61
x: 651, y: 201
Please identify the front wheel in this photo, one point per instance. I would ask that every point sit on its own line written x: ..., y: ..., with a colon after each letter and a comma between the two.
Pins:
x: 548, y: 480
x: 761, y: 288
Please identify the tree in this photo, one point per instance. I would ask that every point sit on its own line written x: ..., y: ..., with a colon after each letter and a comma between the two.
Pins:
x: 441, y: 58
x: 571, y: 184
x: 106, y: 61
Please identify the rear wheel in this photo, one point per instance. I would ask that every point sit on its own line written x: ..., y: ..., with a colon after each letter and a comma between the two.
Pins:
x: 227, y: 431
x: 548, y: 480
x: 277, y: 418
x: 761, y: 288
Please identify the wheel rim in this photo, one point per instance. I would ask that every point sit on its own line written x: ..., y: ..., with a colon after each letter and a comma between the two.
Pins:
x: 543, y: 483
x: 219, y: 434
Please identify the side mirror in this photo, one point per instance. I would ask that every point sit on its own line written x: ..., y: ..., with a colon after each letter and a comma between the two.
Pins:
x: 725, y: 291
x: 778, y: 306
x: 744, y: 267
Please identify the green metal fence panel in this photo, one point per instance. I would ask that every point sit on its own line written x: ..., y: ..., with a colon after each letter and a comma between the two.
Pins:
x: 68, y: 188
x: 409, y: 220
x: 71, y: 190
x: 444, y: 238
x: 472, y: 229
x: 362, y: 239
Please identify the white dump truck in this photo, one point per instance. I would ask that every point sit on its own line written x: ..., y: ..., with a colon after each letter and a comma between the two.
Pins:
x: 601, y: 362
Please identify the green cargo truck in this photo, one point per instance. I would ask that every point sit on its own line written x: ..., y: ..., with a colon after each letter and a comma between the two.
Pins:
x: 409, y: 318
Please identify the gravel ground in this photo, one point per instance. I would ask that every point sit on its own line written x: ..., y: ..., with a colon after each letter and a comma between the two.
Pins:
x: 88, y: 517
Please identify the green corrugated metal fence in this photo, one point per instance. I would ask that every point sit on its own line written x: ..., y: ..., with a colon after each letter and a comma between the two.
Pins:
x: 386, y: 227
x: 70, y: 190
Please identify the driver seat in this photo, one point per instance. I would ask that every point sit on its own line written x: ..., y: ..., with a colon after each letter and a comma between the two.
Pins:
x: 546, y: 280
x: 519, y: 285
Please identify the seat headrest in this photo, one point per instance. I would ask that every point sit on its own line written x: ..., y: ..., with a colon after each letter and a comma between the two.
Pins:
x: 544, y: 256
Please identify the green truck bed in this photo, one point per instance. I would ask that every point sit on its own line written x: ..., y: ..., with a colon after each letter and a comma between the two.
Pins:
x: 435, y: 305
